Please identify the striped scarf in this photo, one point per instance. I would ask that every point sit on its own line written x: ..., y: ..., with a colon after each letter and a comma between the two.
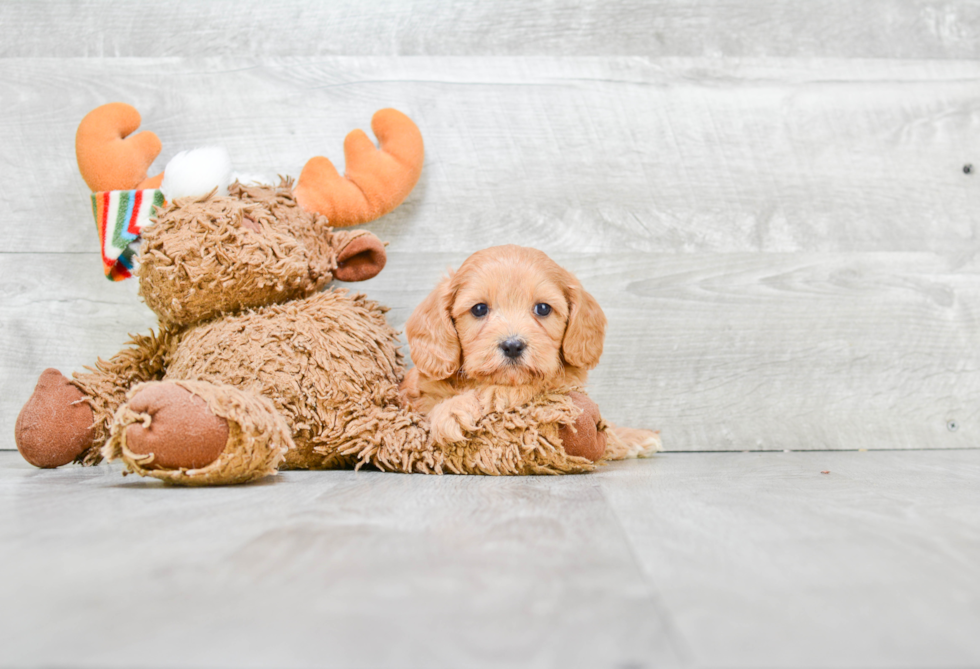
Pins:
x: 119, y: 217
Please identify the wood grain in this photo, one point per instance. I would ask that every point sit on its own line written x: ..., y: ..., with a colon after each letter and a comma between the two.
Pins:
x: 770, y: 28
x: 810, y: 559
x: 319, y: 569
x: 591, y: 154
x: 735, y: 351
x: 785, y: 247
x: 773, y: 351
x: 685, y: 560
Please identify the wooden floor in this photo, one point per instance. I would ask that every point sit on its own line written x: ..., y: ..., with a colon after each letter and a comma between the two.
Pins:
x: 686, y: 560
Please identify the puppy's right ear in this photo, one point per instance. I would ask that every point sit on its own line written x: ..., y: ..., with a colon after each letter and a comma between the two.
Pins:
x: 432, y: 335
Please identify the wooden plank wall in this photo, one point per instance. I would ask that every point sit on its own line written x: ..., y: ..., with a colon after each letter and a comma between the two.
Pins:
x: 768, y: 198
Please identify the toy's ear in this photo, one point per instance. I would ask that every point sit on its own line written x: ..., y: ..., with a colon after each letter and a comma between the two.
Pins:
x: 376, y: 180
x: 586, y: 329
x: 109, y: 156
x: 432, y: 337
x: 360, y: 256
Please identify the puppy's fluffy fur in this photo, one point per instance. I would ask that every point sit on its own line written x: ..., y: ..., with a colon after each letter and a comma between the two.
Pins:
x: 462, y: 367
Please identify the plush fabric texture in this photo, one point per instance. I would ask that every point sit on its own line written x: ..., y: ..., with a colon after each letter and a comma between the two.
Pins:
x: 322, y: 360
x: 56, y: 423
x: 120, y: 216
x: 197, y: 172
x: 361, y: 258
x: 375, y: 181
x: 234, y: 281
x: 179, y: 430
x: 211, y: 254
x: 110, y: 157
x: 517, y: 441
x: 328, y: 367
x: 258, y: 438
x: 585, y: 437
x: 105, y: 385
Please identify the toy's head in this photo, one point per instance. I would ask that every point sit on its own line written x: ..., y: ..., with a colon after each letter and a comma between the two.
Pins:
x: 214, y: 254
x: 210, y: 254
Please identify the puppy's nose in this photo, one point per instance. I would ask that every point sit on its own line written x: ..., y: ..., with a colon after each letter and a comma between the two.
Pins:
x: 513, y: 348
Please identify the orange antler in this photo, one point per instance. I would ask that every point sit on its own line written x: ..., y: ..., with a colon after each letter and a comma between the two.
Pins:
x: 108, y: 157
x: 376, y: 180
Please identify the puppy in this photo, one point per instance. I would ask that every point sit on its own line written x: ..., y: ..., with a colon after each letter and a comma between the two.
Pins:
x: 506, y: 326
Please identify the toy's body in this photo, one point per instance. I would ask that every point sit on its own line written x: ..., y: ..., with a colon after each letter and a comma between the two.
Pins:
x: 322, y: 361
x: 325, y: 367
x: 236, y: 281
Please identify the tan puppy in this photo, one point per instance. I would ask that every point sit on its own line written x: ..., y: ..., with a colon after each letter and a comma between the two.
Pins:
x: 507, y: 325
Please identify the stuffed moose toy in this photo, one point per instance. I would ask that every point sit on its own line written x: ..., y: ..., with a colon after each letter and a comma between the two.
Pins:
x: 256, y: 366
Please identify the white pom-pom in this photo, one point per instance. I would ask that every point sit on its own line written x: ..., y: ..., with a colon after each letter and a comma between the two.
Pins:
x: 197, y: 172
x: 251, y: 179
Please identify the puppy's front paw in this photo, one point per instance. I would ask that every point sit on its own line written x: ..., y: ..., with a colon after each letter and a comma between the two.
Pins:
x: 452, y: 418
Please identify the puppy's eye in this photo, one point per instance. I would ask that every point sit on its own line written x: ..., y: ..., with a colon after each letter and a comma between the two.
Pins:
x: 542, y: 309
x: 480, y: 310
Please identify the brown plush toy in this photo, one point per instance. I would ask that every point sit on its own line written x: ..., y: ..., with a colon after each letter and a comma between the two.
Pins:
x: 255, y: 366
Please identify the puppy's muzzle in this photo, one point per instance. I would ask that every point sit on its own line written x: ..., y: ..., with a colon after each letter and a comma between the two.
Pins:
x: 513, y: 348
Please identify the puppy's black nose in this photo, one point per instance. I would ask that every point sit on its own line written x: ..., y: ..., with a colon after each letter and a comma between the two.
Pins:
x: 513, y: 348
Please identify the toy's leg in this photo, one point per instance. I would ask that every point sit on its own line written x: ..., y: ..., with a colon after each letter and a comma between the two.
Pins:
x: 181, y: 431
x: 105, y: 385
x: 56, y: 425
x: 592, y: 438
x: 584, y: 438
x: 68, y: 420
x: 389, y: 438
x: 198, y: 433
x: 524, y: 440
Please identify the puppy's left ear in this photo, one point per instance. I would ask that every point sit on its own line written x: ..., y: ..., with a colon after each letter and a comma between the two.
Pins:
x: 432, y: 338
x: 586, y: 329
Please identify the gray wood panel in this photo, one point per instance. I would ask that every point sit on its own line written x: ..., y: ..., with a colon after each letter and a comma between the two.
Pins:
x: 772, y: 28
x: 322, y: 569
x: 685, y: 560
x: 736, y: 351
x: 785, y: 246
x: 763, y: 561
x: 585, y: 154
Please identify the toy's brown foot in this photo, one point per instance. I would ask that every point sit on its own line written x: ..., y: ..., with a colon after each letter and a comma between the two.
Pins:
x: 197, y: 433
x: 56, y: 424
x: 586, y: 440
x: 183, y: 433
